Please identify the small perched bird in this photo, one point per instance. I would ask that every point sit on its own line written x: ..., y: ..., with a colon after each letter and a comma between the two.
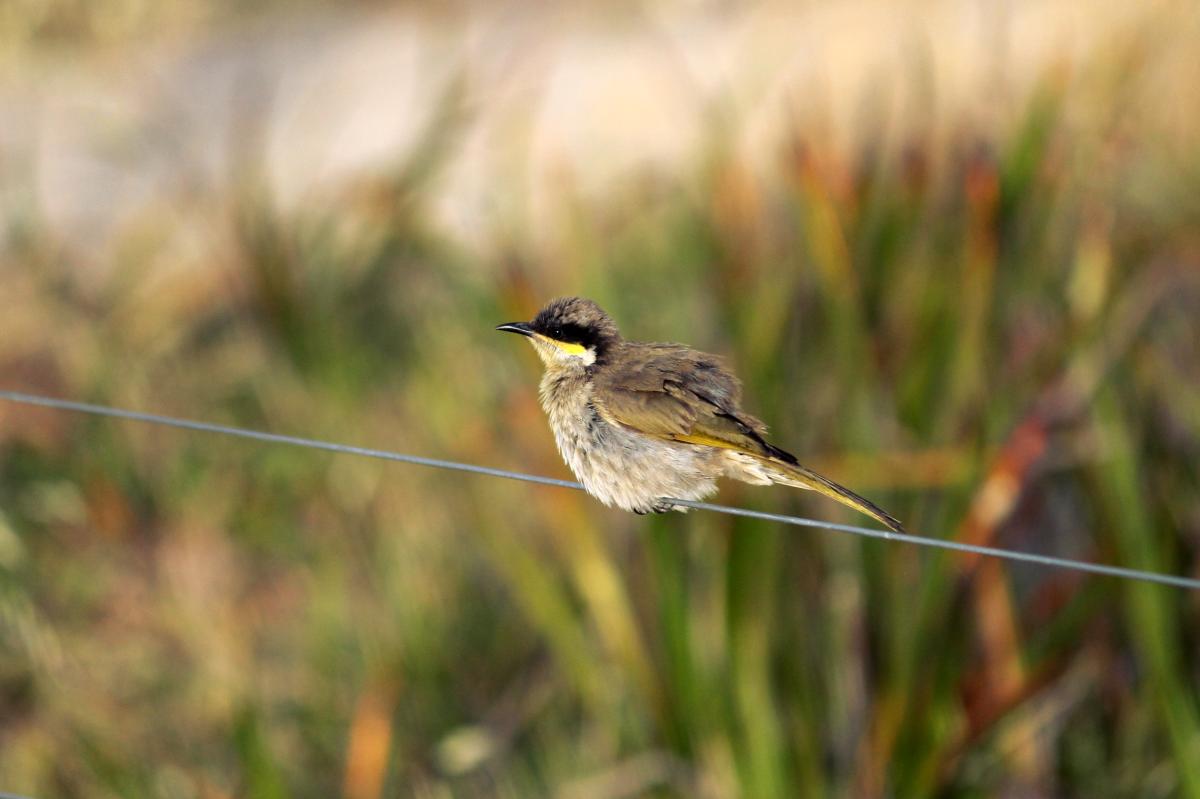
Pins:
x: 640, y: 424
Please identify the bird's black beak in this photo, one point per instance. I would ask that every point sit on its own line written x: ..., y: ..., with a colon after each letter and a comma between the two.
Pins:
x: 516, y: 327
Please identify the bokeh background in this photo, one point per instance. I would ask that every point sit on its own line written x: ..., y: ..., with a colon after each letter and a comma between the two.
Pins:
x: 952, y: 248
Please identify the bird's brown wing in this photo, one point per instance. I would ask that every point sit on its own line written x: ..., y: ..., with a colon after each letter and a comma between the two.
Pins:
x: 679, y: 394
x: 674, y: 392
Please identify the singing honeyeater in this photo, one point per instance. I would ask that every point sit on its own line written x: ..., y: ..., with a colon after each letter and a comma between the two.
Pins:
x: 640, y: 424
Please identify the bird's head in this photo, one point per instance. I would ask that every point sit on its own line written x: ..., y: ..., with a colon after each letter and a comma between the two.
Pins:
x: 569, y: 333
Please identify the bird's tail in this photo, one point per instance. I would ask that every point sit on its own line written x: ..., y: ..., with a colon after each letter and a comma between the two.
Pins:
x: 789, y: 472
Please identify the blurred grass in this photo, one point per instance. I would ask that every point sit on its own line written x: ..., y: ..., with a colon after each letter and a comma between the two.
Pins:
x: 183, y: 615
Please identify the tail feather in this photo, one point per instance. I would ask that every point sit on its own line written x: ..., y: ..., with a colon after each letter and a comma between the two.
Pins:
x: 793, y: 474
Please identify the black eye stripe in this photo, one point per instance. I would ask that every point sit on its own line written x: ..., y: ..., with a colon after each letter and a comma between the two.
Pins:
x: 555, y: 326
x: 573, y: 334
x: 567, y: 331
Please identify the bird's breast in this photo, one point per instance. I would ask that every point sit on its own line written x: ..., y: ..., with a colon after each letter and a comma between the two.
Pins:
x: 567, y: 400
x: 617, y: 465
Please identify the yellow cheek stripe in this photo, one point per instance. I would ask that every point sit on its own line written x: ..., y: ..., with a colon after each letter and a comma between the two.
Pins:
x: 570, y: 349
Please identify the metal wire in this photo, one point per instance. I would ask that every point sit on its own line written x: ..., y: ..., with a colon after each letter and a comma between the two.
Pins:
x: 437, y: 463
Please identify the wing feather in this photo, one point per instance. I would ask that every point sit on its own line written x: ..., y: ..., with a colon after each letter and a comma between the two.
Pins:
x: 674, y: 392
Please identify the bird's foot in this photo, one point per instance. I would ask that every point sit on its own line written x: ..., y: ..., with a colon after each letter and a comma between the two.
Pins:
x: 661, y: 506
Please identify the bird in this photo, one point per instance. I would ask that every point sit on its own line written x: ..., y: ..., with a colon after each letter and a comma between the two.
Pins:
x: 642, y: 424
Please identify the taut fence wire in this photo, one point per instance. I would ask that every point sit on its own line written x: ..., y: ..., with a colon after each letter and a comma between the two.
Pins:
x: 437, y: 463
